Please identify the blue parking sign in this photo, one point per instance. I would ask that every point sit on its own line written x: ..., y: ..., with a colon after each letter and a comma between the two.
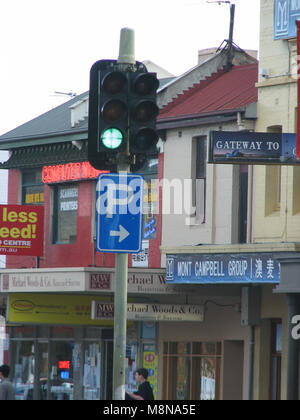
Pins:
x: 119, y: 213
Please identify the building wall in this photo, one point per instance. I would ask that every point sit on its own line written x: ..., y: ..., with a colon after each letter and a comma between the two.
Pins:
x: 276, y: 110
x: 221, y: 221
x: 80, y: 254
x: 221, y: 324
x: 276, y: 197
x: 273, y: 306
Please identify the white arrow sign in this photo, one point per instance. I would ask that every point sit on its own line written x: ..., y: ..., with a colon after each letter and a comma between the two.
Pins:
x: 122, y: 233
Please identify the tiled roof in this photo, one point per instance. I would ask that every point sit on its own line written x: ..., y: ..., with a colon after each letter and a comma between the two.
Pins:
x: 223, y: 91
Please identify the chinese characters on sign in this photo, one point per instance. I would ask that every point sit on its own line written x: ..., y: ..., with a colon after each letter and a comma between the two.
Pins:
x: 222, y: 268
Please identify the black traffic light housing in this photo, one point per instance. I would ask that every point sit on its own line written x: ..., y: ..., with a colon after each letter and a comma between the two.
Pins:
x: 122, y: 115
x: 108, y: 115
x: 143, y: 112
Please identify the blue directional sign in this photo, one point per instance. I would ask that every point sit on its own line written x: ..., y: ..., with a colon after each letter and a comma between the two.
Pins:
x: 119, y: 213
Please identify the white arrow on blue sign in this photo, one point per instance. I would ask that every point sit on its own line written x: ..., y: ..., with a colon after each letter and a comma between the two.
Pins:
x: 119, y: 212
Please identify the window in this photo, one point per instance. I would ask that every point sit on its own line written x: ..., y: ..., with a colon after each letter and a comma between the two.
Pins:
x: 276, y: 349
x: 243, y: 204
x: 273, y: 182
x: 296, y: 196
x: 273, y: 189
x: 191, y: 371
x: 65, y: 214
x: 200, y: 148
x: 32, y: 187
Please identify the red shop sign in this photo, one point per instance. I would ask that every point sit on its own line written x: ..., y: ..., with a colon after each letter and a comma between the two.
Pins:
x: 21, y: 230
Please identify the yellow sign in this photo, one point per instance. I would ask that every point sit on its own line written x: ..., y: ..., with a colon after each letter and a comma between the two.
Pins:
x: 52, y: 309
x: 150, y: 362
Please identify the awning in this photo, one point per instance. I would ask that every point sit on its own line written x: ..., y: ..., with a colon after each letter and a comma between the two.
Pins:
x: 52, y: 154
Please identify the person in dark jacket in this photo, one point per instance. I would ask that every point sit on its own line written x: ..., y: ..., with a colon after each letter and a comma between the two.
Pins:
x: 144, y: 391
x: 7, y: 390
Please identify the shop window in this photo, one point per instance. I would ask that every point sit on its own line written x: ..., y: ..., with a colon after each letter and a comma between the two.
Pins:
x: 191, y: 371
x: 62, y: 332
x: 276, y: 350
x: 65, y: 214
x: 91, y: 373
x: 32, y: 187
x: 62, y: 369
x: 24, y: 332
x: 23, y: 369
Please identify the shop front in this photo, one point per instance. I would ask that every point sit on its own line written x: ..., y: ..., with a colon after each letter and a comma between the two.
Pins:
x: 215, y: 359
x: 60, y: 325
x: 56, y: 351
x: 60, y: 362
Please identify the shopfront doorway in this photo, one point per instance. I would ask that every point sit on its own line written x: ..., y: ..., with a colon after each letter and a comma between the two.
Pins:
x: 192, y: 371
x: 61, y: 363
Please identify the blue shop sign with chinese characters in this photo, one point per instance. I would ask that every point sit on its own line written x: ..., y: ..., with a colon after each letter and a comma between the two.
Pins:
x: 222, y: 268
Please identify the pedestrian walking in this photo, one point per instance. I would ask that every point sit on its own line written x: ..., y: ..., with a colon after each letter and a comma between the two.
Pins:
x: 144, y: 391
x: 7, y: 390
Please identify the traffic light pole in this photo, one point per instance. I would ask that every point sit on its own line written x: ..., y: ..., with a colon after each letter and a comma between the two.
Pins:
x: 126, y: 56
x: 120, y: 307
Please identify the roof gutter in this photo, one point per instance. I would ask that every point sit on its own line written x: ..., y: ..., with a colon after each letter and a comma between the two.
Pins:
x: 199, y: 119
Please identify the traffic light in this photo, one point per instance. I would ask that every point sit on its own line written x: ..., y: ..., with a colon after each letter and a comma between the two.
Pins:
x: 143, y: 112
x: 122, y: 115
x: 108, y: 114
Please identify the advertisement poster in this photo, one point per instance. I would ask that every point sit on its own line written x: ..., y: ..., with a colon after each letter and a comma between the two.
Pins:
x: 21, y: 230
x: 150, y: 362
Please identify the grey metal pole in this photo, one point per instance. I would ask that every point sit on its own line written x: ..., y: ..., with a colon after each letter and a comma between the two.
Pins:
x: 230, y: 41
x: 126, y: 56
x: 120, y: 307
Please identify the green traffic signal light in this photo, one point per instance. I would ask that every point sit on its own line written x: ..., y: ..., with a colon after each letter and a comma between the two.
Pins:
x: 122, y: 115
x: 112, y: 138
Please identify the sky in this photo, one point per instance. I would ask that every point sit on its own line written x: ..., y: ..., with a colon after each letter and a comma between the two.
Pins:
x: 50, y: 45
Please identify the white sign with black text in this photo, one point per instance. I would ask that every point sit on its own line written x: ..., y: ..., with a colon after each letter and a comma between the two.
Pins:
x: 150, y: 312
